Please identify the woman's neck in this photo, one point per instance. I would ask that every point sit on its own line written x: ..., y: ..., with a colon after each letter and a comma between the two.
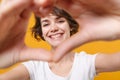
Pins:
x: 67, y: 57
x: 65, y: 65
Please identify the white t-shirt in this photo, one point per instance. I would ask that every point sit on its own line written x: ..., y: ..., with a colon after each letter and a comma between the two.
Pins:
x: 83, y: 69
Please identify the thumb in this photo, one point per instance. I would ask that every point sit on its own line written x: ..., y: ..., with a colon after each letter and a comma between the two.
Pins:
x: 71, y: 43
x: 34, y: 54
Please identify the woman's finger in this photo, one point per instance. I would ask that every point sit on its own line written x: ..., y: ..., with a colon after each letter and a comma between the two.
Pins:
x: 35, y: 54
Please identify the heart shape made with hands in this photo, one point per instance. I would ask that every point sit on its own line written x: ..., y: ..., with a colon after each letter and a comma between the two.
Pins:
x: 92, y: 27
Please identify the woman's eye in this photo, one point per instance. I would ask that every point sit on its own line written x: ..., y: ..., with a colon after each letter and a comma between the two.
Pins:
x: 61, y: 21
x: 45, y: 25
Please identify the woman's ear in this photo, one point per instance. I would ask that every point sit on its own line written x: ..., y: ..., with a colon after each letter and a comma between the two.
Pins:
x: 71, y: 29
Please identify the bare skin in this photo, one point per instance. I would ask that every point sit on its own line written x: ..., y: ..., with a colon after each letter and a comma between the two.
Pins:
x: 14, y: 18
x: 98, y: 23
x: 97, y: 13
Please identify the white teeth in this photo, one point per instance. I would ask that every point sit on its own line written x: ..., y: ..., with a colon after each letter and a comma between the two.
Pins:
x: 56, y: 36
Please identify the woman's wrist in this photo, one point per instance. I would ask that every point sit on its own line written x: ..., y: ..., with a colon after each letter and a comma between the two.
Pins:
x: 6, y: 59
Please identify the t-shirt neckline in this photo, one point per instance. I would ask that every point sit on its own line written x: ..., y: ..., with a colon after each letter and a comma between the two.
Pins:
x: 61, y: 77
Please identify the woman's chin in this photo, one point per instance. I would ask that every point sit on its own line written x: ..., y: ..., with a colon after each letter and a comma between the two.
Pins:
x: 55, y: 45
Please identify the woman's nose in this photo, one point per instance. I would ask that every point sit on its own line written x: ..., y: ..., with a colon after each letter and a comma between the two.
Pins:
x: 54, y: 28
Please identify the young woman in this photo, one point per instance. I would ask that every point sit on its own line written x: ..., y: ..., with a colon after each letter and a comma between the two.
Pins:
x: 98, y: 20
x: 54, y: 29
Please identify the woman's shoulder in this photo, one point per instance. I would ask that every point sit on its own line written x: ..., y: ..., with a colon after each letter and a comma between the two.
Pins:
x: 85, y: 55
x: 34, y: 63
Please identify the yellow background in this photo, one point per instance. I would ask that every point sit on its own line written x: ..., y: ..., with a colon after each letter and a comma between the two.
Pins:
x: 93, y: 47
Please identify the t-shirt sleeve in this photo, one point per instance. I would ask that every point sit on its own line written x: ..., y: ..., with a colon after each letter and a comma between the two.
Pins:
x: 92, y: 67
x: 30, y: 66
x: 89, y: 63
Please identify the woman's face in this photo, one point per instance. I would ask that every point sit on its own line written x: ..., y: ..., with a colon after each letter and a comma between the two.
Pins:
x: 55, y: 29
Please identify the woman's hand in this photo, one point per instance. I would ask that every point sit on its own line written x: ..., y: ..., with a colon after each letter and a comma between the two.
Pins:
x: 14, y: 17
x: 98, y: 21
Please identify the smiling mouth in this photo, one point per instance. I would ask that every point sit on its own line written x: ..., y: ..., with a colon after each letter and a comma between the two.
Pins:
x: 56, y: 36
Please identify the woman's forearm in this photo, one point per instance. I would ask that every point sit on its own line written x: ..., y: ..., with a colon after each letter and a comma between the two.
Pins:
x: 6, y: 59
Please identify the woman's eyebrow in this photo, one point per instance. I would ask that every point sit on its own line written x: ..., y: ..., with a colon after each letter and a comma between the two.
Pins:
x: 58, y: 17
x: 44, y: 21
